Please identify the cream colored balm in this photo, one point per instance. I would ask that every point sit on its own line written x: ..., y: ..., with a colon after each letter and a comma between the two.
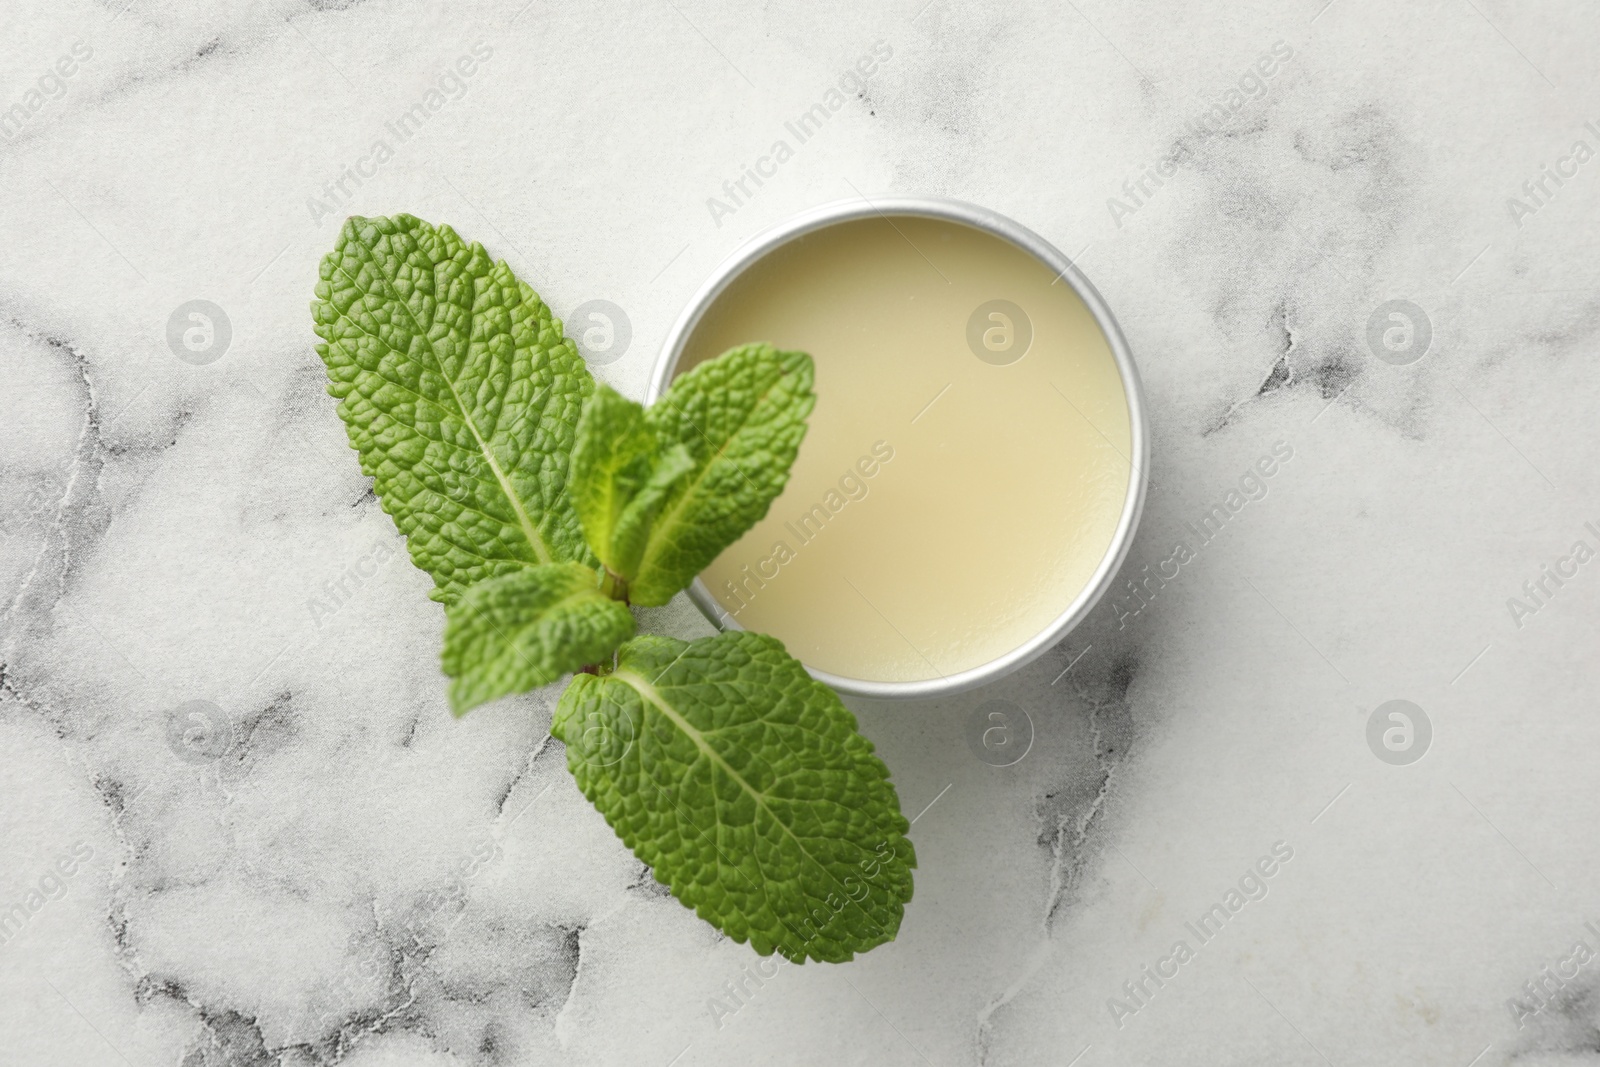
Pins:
x: 966, y: 464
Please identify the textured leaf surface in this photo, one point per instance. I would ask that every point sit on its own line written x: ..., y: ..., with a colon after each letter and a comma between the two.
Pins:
x: 740, y: 417
x: 745, y: 786
x: 460, y: 394
x: 527, y: 628
x: 621, y: 478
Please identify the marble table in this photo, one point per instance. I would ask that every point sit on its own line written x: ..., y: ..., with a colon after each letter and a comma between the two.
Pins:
x: 239, y: 826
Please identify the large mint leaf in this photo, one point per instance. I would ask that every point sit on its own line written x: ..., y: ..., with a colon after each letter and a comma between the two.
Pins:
x: 740, y: 417
x: 526, y: 628
x: 460, y: 394
x: 744, y: 785
x: 621, y: 478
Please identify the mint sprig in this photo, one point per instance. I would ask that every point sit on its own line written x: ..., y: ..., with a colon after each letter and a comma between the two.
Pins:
x: 543, y: 505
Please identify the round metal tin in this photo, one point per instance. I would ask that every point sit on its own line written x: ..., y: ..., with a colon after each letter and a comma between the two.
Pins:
x: 1000, y: 226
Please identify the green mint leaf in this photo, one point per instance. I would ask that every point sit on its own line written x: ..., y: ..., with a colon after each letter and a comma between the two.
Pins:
x: 620, y: 478
x: 526, y: 628
x: 745, y: 786
x: 460, y: 394
x: 741, y: 417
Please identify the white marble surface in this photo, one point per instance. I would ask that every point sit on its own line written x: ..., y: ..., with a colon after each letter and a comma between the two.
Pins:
x: 348, y: 876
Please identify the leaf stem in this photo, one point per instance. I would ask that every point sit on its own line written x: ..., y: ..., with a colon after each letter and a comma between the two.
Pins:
x: 614, y: 585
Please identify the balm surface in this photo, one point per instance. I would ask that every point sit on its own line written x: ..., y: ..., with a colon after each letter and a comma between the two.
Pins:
x: 966, y: 464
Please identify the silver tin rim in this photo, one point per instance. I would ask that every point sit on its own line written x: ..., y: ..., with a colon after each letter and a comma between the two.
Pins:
x: 983, y: 219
